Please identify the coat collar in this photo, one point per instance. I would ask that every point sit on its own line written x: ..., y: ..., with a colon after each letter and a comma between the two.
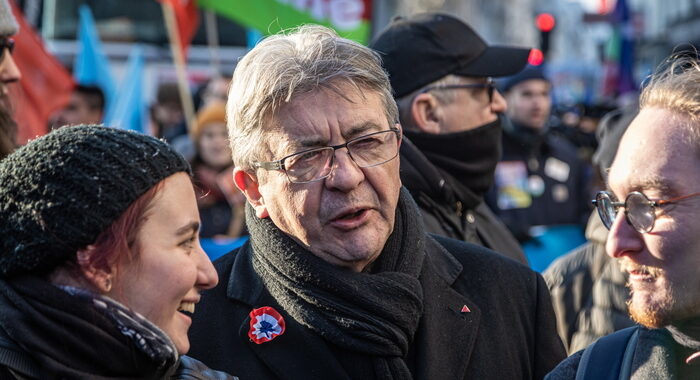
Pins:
x: 282, y: 355
x: 244, y: 284
x: 447, y: 331
x: 443, y: 327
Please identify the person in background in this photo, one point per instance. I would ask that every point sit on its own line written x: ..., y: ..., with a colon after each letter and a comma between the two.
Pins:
x: 215, y: 90
x: 441, y: 72
x: 339, y: 279
x: 587, y: 286
x: 651, y: 210
x: 86, y: 106
x: 220, y: 206
x: 9, y: 73
x: 540, y: 181
x: 167, y: 116
x: 100, y: 262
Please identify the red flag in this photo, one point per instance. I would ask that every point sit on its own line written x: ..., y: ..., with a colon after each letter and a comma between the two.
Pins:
x: 46, y: 85
x: 187, y: 18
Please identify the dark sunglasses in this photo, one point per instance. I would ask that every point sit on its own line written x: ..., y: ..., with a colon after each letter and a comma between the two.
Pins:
x: 6, y: 44
x: 640, y: 211
x: 489, y: 85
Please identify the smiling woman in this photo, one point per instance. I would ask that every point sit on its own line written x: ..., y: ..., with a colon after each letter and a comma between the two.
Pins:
x: 100, y: 262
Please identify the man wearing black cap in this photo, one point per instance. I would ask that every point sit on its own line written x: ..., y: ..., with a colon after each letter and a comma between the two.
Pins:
x: 540, y: 180
x: 441, y: 70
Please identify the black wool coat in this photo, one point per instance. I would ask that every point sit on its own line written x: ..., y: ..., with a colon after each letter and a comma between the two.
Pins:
x: 506, y: 331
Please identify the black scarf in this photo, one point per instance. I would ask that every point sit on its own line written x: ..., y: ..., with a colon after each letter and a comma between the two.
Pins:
x: 470, y: 157
x: 74, y: 334
x: 372, y: 313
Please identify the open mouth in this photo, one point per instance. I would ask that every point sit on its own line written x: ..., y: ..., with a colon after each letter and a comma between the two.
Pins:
x: 641, y: 274
x: 186, y: 307
x: 351, y: 215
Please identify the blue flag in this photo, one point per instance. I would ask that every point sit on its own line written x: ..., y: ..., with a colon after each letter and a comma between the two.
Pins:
x: 253, y: 36
x: 128, y: 109
x: 91, y: 66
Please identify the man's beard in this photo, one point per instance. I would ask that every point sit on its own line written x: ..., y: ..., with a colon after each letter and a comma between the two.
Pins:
x: 656, y: 310
x: 654, y: 315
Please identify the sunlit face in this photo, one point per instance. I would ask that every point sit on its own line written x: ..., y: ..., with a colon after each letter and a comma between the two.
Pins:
x: 346, y: 218
x: 529, y: 103
x: 170, y: 268
x: 657, y: 159
x: 470, y: 108
x: 213, y: 145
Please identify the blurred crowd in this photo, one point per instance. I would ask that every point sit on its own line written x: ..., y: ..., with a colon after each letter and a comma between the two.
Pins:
x: 419, y: 208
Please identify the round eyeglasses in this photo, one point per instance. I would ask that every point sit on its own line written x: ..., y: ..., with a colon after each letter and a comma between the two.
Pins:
x: 316, y: 164
x: 640, y: 211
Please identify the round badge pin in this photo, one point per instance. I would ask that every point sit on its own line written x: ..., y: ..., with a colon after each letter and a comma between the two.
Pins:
x: 266, y: 324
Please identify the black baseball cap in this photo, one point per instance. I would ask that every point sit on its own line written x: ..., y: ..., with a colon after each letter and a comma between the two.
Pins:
x: 423, y: 48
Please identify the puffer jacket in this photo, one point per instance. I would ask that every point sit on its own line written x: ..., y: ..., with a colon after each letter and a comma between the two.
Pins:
x: 588, y: 291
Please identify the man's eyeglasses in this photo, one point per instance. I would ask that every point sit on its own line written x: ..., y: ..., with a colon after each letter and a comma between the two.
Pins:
x: 6, y: 44
x: 316, y: 164
x: 489, y: 85
x: 640, y: 211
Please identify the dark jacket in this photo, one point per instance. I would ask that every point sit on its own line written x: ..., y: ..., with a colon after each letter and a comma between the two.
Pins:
x: 444, y: 214
x: 588, y: 291
x: 540, y: 181
x: 15, y: 364
x: 656, y: 355
x: 506, y: 331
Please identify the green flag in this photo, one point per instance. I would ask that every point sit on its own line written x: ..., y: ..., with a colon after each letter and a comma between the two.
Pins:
x: 350, y: 18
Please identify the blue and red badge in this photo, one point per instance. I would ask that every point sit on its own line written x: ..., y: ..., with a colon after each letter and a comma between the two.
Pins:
x: 265, y: 325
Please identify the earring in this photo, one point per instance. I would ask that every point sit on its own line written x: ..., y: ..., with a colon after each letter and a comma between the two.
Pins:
x: 108, y: 284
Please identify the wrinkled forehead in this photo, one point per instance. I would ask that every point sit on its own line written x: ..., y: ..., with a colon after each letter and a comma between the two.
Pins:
x: 656, y: 153
x: 325, y: 116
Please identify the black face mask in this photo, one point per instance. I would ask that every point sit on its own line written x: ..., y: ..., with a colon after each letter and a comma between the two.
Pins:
x: 468, y: 156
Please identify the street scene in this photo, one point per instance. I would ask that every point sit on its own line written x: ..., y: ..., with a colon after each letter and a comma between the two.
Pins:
x: 349, y: 189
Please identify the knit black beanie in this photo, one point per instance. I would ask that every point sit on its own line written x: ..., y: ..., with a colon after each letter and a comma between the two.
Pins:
x: 60, y: 191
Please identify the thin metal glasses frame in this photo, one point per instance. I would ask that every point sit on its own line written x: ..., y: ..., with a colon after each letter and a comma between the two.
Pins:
x: 654, y: 204
x: 279, y: 164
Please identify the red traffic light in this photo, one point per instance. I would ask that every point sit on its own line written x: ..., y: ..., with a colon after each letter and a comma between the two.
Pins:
x: 536, y: 57
x: 545, y: 22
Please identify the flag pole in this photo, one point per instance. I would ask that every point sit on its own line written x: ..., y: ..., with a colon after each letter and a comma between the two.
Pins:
x: 179, y: 61
x: 212, y: 39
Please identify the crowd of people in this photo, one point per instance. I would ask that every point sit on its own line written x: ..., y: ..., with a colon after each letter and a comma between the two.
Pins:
x: 388, y: 194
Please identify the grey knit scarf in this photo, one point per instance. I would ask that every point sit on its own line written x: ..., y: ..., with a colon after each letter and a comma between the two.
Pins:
x: 373, y: 313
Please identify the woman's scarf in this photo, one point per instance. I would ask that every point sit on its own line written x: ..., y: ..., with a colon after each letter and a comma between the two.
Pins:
x: 373, y: 313
x: 74, y: 334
